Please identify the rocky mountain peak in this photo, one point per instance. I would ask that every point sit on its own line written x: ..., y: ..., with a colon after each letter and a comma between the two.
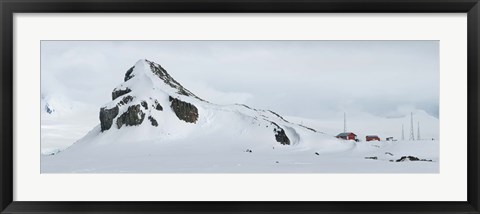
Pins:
x: 159, y: 72
x: 146, y: 89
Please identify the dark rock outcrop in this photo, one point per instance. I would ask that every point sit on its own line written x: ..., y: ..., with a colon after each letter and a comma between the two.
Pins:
x: 129, y: 74
x: 313, y: 130
x: 281, y: 137
x: 158, y: 106
x: 125, y: 100
x: 144, y: 104
x: 153, y: 121
x: 48, y: 109
x: 117, y: 93
x: 276, y: 114
x: 411, y: 158
x: 239, y: 104
x: 184, y: 111
x: 167, y: 79
x: 132, y: 117
x: 106, y: 117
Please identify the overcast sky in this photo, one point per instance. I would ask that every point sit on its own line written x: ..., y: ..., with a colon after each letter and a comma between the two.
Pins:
x: 312, y: 79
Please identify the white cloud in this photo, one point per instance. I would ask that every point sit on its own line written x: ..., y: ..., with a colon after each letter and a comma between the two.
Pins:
x: 220, y: 97
x: 298, y: 78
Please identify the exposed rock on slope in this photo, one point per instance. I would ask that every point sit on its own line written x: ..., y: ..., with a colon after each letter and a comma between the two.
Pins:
x: 132, y: 117
x: 118, y: 93
x: 280, y: 135
x: 184, y: 111
x: 107, y: 116
x: 167, y: 79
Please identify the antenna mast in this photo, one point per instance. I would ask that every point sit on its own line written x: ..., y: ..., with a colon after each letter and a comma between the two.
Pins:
x: 418, y: 131
x: 412, y: 135
x: 403, y: 133
x: 344, y: 122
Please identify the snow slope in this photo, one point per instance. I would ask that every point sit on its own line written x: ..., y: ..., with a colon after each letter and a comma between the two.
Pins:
x: 63, y: 121
x: 154, y: 128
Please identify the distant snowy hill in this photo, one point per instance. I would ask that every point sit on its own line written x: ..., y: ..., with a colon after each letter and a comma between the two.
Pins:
x: 63, y: 121
x: 53, y: 104
x: 154, y: 124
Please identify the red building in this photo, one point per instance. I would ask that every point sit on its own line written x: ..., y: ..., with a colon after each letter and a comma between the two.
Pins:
x: 372, y: 137
x: 347, y: 136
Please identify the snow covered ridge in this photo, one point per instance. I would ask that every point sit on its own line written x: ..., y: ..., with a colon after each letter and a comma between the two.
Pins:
x: 150, y: 96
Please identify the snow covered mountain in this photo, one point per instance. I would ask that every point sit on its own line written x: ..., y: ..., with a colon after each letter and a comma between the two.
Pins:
x: 151, y: 105
x: 154, y: 124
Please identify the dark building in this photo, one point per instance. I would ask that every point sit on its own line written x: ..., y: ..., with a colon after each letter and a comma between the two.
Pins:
x: 372, y: 137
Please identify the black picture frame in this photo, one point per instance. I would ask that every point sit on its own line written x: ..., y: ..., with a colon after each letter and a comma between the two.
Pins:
x: 9, y: 7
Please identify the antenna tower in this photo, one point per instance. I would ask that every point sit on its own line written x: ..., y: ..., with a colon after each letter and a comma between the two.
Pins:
x: 403, y: 133
x: 412, y: 135
x: 418, y: 131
